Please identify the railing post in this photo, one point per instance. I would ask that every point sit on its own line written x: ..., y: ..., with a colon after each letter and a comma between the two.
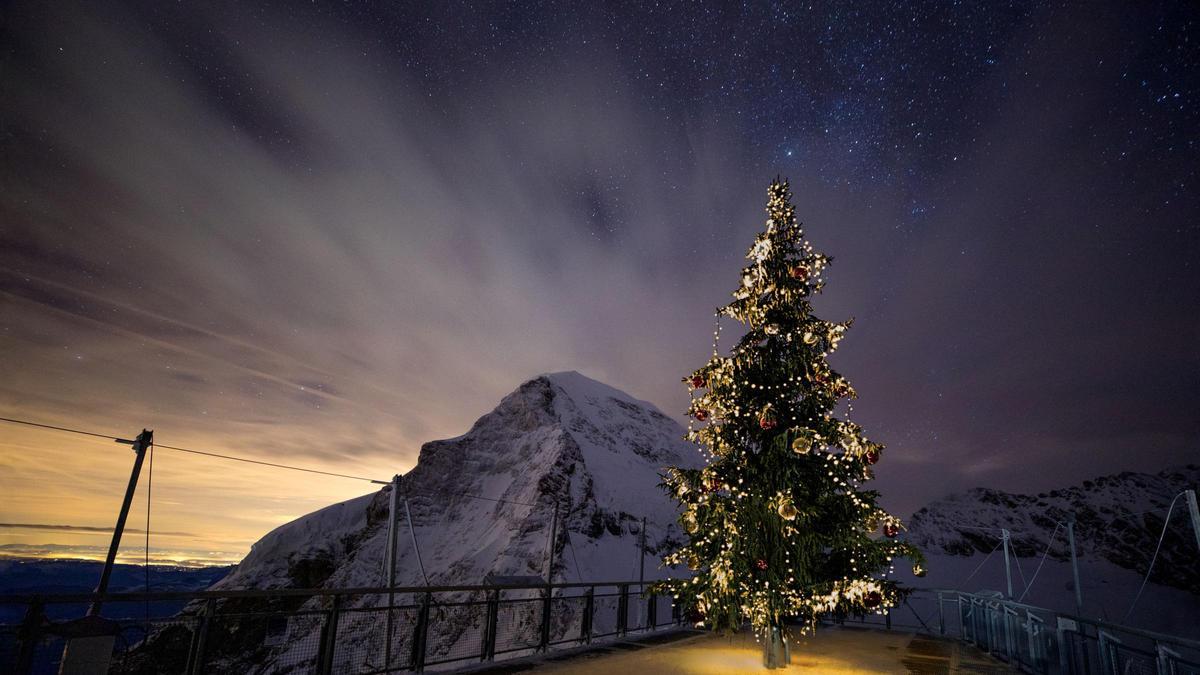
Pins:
x: 1108, y: 649
x: 887, y: 619
x: 652, y: 611
x: 489, y: 628
x: 941, y: 615
x: 1166, y: 659
x: 1066, y: 652
x: 589, y: 611
x: 419, y: 633
x: 196, y: 655
x: 31, y: 633
x: 329, y: 643
x: 1029, y: 630
x: 622, y: 608
x: 544, y: 641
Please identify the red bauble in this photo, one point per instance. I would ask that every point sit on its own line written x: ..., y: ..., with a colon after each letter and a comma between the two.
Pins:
x: 767, y: 422
x: 712, y: 484
x: 799, y: 272
x: 761, y: 564
x: 697, y: 382
x: 871, y: 455
x: 701, y: 414
x: 873, y: 599
x: 890, y: 530
x: 820, y: 377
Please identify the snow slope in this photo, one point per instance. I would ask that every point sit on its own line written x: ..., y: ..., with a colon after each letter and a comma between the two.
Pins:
x: 1119, y: 519
x: 482, y: 503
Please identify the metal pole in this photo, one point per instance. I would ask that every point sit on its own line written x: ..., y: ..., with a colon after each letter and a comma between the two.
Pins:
x: 413, y: 535
x: 390, y: 569
x: 1007, y: 569
x: 550, y: 546
x: 142, y: 442
x: 1075, y: 568
x: 641, y: 568
x: 642, y: 558
x: 1195, y: 511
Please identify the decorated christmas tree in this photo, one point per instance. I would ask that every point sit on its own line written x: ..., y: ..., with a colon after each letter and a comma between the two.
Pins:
x: 779, y: 526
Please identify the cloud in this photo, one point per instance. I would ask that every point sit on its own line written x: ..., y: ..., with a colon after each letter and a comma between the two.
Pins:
x: 258, y: 240
x: 86, y: 529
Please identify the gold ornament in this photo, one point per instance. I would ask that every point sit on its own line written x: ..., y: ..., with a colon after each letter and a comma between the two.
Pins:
x: 804, y: 441
x: 788, y: 511
x: 918, y: 571
x: 689, y: 523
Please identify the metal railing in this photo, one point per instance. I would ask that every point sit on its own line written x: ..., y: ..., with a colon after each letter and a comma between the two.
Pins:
x: 357, y: 631
x: 1042, y: 641
x: 354, y: 631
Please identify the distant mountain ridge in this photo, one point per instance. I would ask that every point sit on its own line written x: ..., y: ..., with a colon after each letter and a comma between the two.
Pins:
x: 1118, y: 518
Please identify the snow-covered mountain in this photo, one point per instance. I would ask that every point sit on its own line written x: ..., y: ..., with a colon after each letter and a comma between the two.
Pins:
x: 482, y: 504
x: 1118, y: 521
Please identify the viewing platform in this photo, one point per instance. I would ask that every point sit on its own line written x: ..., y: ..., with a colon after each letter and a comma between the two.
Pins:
x: 834, y: 650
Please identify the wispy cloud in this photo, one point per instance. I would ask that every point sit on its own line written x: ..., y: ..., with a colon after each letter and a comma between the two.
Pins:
x: 85, y: 528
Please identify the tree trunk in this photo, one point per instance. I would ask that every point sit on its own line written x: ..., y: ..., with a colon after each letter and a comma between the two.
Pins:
x: 776, y: 651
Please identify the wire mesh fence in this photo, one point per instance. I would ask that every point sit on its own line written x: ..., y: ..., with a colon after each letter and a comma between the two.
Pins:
x: 1037, y: 640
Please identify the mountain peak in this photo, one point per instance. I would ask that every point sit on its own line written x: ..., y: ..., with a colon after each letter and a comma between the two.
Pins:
x: 483, y: 502
x: 580, y: 387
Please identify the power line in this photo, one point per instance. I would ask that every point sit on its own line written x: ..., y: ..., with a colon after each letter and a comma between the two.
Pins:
x: 48, y: 426
x: 468, y: 494
x: 259, y: 462
x: 194, y: 452
x: 278, y: 466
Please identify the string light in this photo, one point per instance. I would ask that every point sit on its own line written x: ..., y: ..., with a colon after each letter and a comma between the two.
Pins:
x: 737, y: 403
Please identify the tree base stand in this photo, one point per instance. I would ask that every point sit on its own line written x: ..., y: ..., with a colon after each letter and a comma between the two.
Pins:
x: 777, y: 653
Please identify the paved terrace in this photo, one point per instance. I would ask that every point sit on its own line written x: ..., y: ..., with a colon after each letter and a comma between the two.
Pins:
x: 834, y: 650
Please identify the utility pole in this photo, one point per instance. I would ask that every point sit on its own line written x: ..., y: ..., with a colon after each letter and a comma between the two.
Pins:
x: 390, y: 563
x: 642, y: 558
x: 143, y: 441
x: 1075, y: 567
x: 550, y: 546
x: 641, y: 569
x: 1007, y: 569
x: 1195, y: 511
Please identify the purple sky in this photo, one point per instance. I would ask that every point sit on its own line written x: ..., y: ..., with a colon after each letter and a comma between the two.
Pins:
x: 326, y: 236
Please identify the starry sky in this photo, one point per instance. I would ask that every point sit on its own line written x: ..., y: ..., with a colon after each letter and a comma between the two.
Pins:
x: 324, y: 234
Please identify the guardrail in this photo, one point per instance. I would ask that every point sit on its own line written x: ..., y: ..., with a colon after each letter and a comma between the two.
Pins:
x: 360, y: 631
x: 1042, y: 641
x: 368, y: 631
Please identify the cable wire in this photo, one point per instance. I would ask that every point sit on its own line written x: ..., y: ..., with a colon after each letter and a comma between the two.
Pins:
x: 1161, y: 536
x: 1050, y: 543
x: 278, y: 466
x: 50, y: 426
x: 571, y: 544
x: 194, y: 452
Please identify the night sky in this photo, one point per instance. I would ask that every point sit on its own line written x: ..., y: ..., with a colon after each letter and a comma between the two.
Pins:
x: 324, y: 234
